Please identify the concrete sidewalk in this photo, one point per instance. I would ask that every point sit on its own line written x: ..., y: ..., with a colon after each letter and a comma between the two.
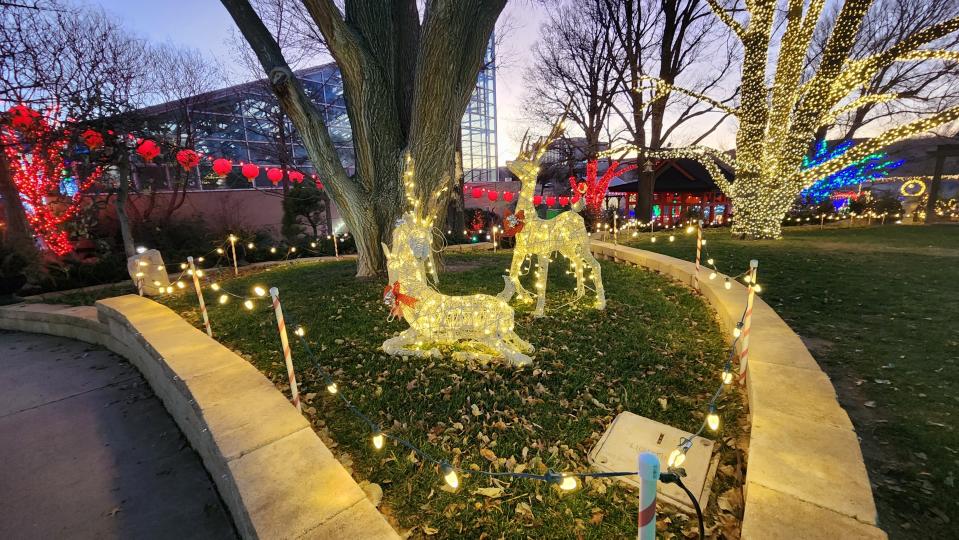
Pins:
x: 88, y: 451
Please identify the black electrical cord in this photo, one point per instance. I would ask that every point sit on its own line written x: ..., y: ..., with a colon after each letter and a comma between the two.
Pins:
x: 674, y: 478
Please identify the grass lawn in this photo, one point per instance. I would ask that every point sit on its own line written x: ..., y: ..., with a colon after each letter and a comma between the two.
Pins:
x: 656, y: 344
x: 877, y: 307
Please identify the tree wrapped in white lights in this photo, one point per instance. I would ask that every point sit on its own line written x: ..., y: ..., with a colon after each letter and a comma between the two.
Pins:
x: 565, y: 233
x: 485, y: 323
x: 778, y: 124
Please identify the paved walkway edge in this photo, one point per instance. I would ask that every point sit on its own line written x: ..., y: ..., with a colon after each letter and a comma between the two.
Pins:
x: 806, y: 477
x: 275, y: 475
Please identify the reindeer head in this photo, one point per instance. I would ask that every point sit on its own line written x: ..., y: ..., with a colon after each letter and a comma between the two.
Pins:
x: 411, y: 248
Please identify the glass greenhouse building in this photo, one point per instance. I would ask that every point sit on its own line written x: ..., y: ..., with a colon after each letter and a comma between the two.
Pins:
x: 243, y: 123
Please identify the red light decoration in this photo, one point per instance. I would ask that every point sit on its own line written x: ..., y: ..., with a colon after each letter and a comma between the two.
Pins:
x: 477, y: 193
x: 23, y: 118
x: 148, y: 150
x: 37, y: 169
x: 550, y: 200
x: 508, y: 196
x: 274, y: 175
x: 492, y: 195
x: 594, y: 189
x: 537, y: 200
x: 563, y: 201
x: 222, y: 167
x: 295, y: 176
x: 92, y: 139
x: 250, y: 171
x: 188, y: 159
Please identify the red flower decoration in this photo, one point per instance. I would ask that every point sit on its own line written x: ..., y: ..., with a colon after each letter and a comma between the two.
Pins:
x: 250, y: 171
x: 395, y: 300
x: 274, y: 175
x: 295, y: 176
x: 187, y: 159
x: 222, y: 167
x: 92, y: 139
x: 23, y: 118
x: 148, y: 150
x: 513, y: 223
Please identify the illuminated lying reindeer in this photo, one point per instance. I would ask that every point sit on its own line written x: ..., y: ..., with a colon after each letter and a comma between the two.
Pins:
x: 437, y: 318
x: 565, y: 233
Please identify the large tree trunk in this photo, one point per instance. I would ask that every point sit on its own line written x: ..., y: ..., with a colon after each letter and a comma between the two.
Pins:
x: 406, y: 88
x: 123, y: 219
x: 18, y: 229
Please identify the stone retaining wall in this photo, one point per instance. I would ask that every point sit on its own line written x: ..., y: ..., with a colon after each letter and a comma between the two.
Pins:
x: 273, y: 472
x: 806, y: 477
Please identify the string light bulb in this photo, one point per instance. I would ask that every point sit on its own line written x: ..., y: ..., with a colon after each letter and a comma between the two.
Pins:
x: 378, y: 440
x: 449, y: 476
x: 259, y: 291
x: 332, y: 388
x: 180, y: 284
x: 248, y: 304
x: 300, y: 331
x: 727, y: 284
x: 712, y: 419
x: 215, y: 286
x: 738, y: 331
x: 249, y: 246
x: 568, y: 483
x: 224, y: 298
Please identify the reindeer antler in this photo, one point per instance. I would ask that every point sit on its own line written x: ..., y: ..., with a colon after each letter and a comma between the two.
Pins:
x: 536, y: 150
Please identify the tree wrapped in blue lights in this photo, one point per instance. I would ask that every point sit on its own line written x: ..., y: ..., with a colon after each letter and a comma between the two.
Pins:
x: 875, y: 165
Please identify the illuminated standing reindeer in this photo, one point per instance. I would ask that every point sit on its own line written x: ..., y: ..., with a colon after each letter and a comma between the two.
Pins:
x: 436, y: 318
x: 565, y: 233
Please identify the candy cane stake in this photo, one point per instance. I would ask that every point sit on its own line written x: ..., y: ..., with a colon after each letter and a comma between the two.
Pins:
x: 648, y: 476
x: 199, y: 296
x: 699, y: 250
x: 748, y: 320
x: 336, y: 248
x: 236, y: 271
x: 287, y: 353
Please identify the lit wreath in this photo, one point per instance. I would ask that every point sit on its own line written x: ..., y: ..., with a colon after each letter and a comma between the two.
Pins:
x: 906, y: 191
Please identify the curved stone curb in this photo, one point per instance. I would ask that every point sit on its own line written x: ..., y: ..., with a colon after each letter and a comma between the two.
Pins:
x: 806, y: 477
x: 276, y: 476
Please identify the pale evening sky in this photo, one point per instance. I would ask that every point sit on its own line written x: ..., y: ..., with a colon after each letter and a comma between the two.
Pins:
x: 205, y: 25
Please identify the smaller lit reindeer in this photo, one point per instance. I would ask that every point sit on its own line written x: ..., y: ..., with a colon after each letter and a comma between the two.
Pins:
x: 436, y: 318
x: 565, y: 233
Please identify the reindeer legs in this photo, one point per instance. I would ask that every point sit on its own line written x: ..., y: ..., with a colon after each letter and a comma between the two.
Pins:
x: 578, y: 265
x: 509, y: 353
x: 400, y: 345
x: 542, y: 274
x: 597, y: 276
x: 515, y: 271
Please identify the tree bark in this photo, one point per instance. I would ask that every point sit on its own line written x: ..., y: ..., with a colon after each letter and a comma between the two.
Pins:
x: 406, y: 87
x: 18, y: 229
x: 123, y: 219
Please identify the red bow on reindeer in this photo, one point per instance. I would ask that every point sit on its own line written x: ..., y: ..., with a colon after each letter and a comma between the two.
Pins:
x: 513, y: 223
x: 393, y: 298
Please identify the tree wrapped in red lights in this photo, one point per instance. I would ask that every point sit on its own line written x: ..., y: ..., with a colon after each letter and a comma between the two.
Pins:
x: 36, y: 153
x: 593, y: 189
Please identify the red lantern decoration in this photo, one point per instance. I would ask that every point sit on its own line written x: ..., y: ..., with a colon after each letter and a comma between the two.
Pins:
x: 492, y: 195
x: 23, y: 118
x: 550, y: 201
x: 250, y: 171
x: 508, y: 196
x: 274, y: 175
x: 148, y: 150
x: 477, y: 193
x: 295, y: 176
x: 222, y: 167
x: 537, y: 200
x: 188, y: 159
x: 92, y: 139
x: 563, y: 201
